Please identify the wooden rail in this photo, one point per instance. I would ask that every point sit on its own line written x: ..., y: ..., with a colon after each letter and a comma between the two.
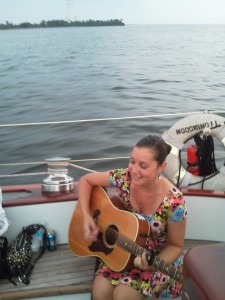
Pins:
x: 31, y: 194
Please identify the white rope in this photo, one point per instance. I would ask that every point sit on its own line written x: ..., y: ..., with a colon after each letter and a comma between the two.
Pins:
x: 25, y: 174
x: 106, y: 119
x: 70, y: 164
x: 44, y: 173
x: 81, y: 168
x: 47, y: 173
x: 102, y: 158
x: 75, y: 160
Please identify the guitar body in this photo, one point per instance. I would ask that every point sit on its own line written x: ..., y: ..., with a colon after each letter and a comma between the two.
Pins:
x: 117, y: 228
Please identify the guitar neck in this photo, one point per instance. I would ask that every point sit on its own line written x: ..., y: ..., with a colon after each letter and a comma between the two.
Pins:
x: 164, y: 267
x: 157, y: 262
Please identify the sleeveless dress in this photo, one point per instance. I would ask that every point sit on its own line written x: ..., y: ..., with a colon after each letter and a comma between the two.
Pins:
x: 172, y: 209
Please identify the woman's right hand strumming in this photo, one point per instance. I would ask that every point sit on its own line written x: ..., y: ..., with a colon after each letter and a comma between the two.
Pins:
x: 90, y: 229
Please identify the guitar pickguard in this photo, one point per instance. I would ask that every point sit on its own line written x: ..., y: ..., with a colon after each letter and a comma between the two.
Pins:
x: 99, y: 246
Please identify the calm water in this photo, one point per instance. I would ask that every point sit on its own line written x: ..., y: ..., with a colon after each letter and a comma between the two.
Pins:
x: 84, y: 73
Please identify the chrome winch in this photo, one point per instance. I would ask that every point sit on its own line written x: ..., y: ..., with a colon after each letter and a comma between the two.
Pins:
x: 58, y: 180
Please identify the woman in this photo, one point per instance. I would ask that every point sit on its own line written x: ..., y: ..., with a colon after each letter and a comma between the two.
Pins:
x: 142, y: 190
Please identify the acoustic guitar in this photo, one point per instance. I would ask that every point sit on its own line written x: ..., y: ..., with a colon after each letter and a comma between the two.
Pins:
x: 122, y: 235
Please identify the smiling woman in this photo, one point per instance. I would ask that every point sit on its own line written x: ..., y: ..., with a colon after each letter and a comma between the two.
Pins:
x: 145, y: 193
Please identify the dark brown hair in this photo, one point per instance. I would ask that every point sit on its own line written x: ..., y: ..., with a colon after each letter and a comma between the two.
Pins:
x: 157, y: 144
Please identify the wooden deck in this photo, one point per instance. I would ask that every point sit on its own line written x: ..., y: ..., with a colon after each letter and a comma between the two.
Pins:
x: 59, y: 273
x: 55, y: 273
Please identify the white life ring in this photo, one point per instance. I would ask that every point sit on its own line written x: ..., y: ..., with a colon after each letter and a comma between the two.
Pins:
x: 178, y: 135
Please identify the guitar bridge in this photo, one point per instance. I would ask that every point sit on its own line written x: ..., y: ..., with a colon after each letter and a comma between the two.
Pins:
x: 99, y: 246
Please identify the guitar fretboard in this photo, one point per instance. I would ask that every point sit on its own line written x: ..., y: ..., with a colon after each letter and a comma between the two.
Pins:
x: 166, y: 268
x: 128, y: 245
x: 157, y: 262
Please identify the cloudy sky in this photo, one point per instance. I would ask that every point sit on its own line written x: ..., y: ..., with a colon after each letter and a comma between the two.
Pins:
x: 130, y: 11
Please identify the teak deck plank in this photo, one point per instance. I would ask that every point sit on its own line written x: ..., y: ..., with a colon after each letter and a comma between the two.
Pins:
x: 60, y: 272
x: 57, y: 272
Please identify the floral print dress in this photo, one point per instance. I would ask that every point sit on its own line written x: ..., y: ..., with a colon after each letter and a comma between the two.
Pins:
x: 172, y: 209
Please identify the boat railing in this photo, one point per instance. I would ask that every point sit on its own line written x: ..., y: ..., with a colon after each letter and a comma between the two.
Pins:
x: 76, y: 163
x: 71, y: 163
x: 113, y: 118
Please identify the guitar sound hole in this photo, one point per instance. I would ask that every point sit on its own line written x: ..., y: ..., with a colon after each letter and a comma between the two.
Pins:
x: 111, y: 235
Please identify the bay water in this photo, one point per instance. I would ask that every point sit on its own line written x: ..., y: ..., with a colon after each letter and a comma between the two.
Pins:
x: 68, y: 74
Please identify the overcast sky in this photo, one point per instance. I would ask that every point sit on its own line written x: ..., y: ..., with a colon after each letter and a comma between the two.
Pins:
x: 130, y: 11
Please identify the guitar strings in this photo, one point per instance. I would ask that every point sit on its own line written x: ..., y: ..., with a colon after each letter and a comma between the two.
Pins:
x: 113, y: 235
x: 135, y: 250
x: 138, y: 250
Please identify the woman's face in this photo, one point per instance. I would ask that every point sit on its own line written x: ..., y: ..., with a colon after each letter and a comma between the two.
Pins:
x: 143, y: 168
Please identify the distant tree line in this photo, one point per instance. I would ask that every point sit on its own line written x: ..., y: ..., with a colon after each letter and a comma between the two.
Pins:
x: 62, y: 23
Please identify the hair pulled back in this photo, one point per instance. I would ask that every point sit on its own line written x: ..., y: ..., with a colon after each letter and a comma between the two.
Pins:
x: 160, y: 148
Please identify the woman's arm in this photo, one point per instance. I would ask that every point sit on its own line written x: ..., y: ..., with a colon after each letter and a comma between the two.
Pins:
x: 173, y: 248
x: 175, y: 241
x: 86, y: 183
